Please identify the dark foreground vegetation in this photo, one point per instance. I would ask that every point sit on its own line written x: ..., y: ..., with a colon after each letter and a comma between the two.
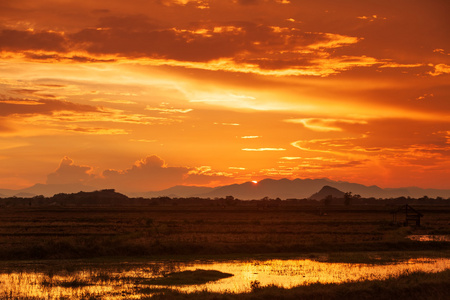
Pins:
x: 101, y: 224
x: 414, y: 286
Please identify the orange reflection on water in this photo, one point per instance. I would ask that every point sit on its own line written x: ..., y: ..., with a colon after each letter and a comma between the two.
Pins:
x: 429, y: 238
x: 290, y: 273
x: 26, y: 285
x: 123, y: 282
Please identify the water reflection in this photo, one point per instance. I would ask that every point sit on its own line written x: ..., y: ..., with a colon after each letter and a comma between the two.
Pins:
x: 429, y: 238
x: 124, y: 280
x: 290, y: 273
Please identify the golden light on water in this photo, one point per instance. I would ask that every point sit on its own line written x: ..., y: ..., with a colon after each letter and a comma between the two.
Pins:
x: 124, y: 283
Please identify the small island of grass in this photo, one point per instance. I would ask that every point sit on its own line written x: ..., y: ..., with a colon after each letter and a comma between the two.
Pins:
x: 198, y: 276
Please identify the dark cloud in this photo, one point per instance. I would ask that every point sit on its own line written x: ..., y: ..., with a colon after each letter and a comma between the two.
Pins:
x: 19, y: 40
x: 58, y: 57
x: 140, y: 36
x: 242, y: 41
x: 10, y: 106
x: 25, y: 91
x: 404, y: 31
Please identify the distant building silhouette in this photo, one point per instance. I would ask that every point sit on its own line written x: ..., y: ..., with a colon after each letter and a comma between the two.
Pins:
x: 410, y: 215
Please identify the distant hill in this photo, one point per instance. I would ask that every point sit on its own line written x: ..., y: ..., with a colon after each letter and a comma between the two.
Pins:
x: 24, y: 195
x: 327, y: 191
x: 7, y: 193
x: 178, y: 191
x: 304, y: 188
x: 285, y: 189
x: 47, y: 190
x: 282, y: 188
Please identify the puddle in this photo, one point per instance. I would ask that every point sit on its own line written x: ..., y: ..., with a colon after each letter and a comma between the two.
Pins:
x: 125, y: 280
x: 429, y: 238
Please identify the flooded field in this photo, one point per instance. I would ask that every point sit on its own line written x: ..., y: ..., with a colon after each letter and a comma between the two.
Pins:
x: 135, y: 280
x: 429, y: 238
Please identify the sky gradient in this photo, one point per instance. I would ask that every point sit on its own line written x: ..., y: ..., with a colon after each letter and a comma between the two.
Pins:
x: 147, y: 94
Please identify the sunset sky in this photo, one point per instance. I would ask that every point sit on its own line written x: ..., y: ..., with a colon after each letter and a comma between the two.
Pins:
x: 146, y: 94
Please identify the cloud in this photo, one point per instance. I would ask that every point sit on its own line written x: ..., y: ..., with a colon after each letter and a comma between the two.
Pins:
x: 96, y: 130
x: 440, y: 69
x: 389, y: 143
x: 247, y: 46
x: 248, y: 2
x: 326, y: 125
x: 206, y: 176
x: 20, y: 40
x: 152, y: 173
x: 113, y: 101
x: 167, y: 110
x: 101, y: 115
x: 227, y: 124
x: 16, y: 106
x: 263, y: 149
x: 69, y: 172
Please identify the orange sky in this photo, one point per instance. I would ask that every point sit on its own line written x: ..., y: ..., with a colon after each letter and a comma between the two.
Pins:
x: 146, y: 94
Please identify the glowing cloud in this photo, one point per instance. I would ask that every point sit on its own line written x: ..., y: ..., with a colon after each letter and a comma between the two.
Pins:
x: 250, y: 137
x: 263, y: 149
x: 69, y: 172
x: 166, y: 110
x: 325, y: 125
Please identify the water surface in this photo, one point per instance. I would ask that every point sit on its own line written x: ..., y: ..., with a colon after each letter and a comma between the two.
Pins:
x: 123, y: 281
x: 429, y: 238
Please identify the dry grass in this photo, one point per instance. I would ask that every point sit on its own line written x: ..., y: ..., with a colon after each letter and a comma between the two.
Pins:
x: 83, y: 232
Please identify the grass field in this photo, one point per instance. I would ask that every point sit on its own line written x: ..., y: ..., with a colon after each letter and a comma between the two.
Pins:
x: 85, y: 232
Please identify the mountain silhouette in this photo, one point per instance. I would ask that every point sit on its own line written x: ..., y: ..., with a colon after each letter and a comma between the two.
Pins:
x: 47, y: 190
x: 327, y: 191
x: 178, y: 191
x: 285, y: 189
x: 282, y: 188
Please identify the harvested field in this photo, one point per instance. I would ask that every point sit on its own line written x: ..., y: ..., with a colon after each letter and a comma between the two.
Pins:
x: 243, y: 229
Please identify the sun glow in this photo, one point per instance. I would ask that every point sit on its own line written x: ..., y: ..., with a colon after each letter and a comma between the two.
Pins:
x: 282, y: 96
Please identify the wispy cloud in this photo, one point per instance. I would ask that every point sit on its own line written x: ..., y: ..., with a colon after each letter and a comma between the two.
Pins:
x: 227, y: 124
x: 326, y: 125
x: 113, y: 101
x: 263, y: 149
x: 167, y: 110
x: 250, y: 137
x: 96, y: 130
